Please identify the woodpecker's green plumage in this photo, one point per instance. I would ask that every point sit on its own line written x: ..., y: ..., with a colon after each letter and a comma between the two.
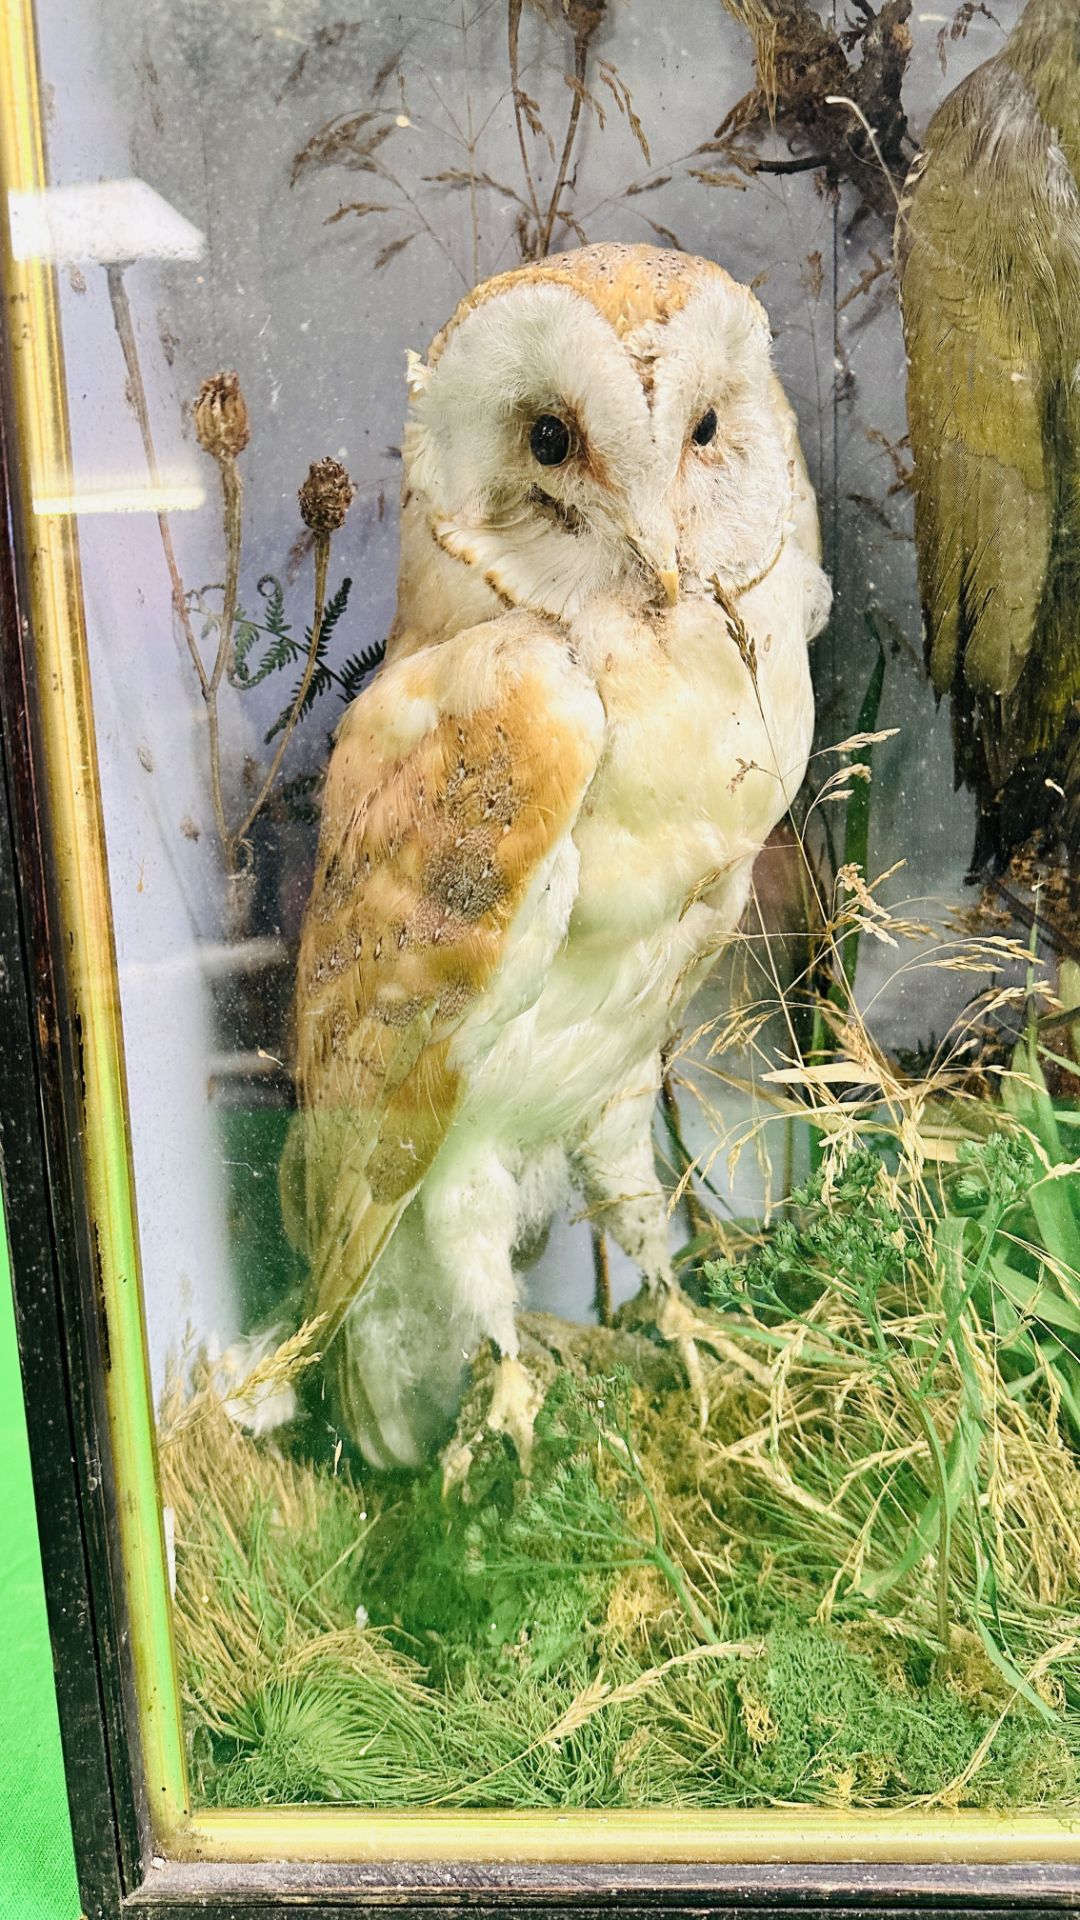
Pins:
x: 988, y: 247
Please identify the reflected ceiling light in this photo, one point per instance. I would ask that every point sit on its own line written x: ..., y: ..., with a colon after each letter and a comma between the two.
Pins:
x: 105, y: 220
x: 184, y: 497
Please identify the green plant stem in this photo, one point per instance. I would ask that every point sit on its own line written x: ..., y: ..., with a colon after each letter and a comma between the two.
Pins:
x: 940, y: 1472
x: 952, y: 1319
x: 664, y: 1564
x: 621, y: 1450
x: 938, y: 1468
x: 857, y: 823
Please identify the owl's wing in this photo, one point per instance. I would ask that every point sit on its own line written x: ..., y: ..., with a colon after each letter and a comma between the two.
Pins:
x: 977, y: 281
x: 454, y: 782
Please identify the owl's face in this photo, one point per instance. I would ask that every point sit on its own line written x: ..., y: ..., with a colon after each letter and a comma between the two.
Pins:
x: 602, y: 422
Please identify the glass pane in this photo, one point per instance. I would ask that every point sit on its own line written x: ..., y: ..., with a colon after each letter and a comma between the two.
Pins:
x: 601, y: 1032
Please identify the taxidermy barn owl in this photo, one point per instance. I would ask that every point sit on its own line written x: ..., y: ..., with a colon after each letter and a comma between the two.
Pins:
x: 540, y: 820
x: 988, y: 246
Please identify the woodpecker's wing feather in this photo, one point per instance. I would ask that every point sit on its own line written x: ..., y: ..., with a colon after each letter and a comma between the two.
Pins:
x: 455, y: 779
x: 979, y: 290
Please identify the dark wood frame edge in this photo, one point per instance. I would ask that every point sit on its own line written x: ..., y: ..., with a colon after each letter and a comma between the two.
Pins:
x: 54, y: 1275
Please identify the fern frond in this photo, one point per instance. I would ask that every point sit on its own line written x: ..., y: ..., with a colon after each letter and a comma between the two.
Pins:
x: 357, y: 670
x: 281, y: 651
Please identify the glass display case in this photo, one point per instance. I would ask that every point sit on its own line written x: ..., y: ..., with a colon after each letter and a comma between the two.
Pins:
x: 541, y: 1002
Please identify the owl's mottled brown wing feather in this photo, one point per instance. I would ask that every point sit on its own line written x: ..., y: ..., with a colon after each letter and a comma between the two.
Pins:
x: 453, y: 779
x: 976, y: 285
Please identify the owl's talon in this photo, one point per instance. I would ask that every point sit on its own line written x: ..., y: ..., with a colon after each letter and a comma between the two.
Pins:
x: 456, y: 1465
x: 515, y: 1402
x: 678, y: 1324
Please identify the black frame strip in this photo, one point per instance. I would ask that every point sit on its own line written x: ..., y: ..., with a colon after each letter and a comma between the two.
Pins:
x: 55, y: 1277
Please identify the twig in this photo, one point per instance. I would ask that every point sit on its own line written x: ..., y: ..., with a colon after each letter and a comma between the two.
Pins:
x: 121, y: 308
x: 470, y: 142
x: 809, y: 163
x: 601, y: 1277
x: 232, y: 494
x: 844, y: 100
x: 513, y: 29
x: 701, y: 1221
x: 583, y: 33
x: 543, y: 245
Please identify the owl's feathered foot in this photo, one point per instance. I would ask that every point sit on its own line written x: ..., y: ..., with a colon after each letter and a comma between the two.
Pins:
x: 663, y: 1305
x: 515, y: 1402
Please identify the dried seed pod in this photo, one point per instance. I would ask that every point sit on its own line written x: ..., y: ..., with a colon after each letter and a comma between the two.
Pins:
x: 326, y: 496
x: 221, y: 417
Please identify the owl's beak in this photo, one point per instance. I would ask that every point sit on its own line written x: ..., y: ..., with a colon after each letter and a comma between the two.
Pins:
x: 661, y: 561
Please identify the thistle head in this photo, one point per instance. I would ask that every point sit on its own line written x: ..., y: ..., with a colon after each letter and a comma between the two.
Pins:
x: 221, y: 417
x: 326, y: 496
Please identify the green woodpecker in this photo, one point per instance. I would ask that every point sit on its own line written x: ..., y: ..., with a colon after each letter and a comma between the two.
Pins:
x: 988, y: 253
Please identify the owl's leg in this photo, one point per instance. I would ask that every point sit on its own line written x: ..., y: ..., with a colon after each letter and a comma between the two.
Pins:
x: 616, y: 1169
x: 471, y: 1209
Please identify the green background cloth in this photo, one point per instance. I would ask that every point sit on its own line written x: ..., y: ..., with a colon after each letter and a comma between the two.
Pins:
x: 37, y: 1866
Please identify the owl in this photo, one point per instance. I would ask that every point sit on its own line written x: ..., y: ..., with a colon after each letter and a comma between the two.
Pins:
x: 540, y: 820
x: 988, y: 251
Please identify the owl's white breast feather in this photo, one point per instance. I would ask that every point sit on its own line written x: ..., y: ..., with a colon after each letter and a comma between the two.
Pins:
x: 696, y: 767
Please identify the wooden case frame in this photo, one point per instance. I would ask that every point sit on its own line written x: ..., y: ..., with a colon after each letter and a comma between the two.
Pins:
x: 68, y: 1196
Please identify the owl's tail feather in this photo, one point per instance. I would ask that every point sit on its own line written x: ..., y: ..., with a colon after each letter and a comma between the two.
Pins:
x: 398, y: 1369
x: 329, y: 1212
x: 291, y: 1187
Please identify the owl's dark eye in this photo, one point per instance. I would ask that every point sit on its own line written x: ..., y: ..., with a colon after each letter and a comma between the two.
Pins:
x: 550, y: 440
x: 705, y: 429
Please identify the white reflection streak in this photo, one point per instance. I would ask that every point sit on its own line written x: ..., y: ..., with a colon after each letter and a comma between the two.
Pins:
x: 147, y: 499
x: 111, y: 221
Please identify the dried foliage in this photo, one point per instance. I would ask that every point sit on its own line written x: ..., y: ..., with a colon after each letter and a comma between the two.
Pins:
x: 957, y: 28
x: 363, y: 142
x: 857, y: 1585
x: 544, y: 192
x: 833, y: 92
x: 223, y: 431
